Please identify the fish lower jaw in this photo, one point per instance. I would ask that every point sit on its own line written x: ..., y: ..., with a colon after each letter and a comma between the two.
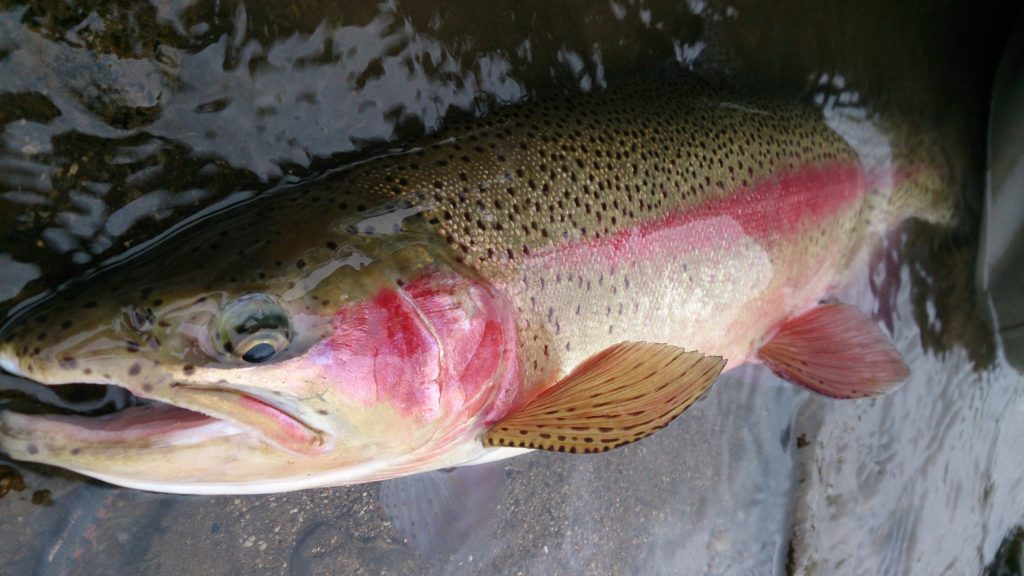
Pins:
x: 163, y: 420
x: 55, y: 439
x: 166, y: 449
x: 187, y: 469
x: 293, y: 479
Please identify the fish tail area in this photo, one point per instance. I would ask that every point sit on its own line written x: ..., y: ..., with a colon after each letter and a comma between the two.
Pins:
x: 919, y: 184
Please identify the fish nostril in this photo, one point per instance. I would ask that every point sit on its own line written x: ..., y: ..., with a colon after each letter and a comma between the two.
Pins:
x: 139, y: 319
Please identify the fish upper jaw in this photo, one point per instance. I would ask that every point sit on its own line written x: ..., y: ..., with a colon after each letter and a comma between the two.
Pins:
x: 172, y: 409
x: 173, y: 413
x: 9, y: 362
x: 274, y: 418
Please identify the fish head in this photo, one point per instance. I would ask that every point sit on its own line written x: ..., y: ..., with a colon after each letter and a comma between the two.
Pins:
x: 350, y: 347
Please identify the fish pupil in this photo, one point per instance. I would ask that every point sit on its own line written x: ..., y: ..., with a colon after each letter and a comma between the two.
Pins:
x: 259, y: 353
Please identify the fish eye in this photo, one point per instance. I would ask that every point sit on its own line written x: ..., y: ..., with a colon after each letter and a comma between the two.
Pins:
x: 259, y: 352
x: 253, y: 328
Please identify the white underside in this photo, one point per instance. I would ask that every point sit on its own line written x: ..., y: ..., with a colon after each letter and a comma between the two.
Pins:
x: 349, y: 475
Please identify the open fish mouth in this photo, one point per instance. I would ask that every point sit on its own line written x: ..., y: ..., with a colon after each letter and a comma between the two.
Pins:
x: 171, y: 415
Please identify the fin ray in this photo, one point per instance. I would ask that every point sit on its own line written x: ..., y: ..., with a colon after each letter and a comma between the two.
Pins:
x: 835, y: 350
x: 618, y: 396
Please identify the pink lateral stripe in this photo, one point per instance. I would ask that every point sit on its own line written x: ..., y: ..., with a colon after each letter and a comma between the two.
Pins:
x: 778, y: 206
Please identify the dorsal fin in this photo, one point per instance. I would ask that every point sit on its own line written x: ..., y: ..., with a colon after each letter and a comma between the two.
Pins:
x: 835, y: 350
x: 620, y: 395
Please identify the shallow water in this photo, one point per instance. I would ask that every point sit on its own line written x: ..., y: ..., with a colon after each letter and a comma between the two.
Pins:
x: 119, y: 121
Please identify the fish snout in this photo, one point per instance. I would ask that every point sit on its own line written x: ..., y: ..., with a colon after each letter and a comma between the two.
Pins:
x: 9, y: 361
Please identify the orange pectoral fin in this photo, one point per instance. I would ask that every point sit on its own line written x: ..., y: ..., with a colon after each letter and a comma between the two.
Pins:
x: 836, y: 351
x: 620, y: 395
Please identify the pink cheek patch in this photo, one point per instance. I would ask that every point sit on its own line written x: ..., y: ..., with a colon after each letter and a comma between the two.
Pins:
x: 477, y: 330
x: 406, y: 366
x: 382, y: 351
x: 457, y: 321
x: 431, y: 347
x: 485, y: 359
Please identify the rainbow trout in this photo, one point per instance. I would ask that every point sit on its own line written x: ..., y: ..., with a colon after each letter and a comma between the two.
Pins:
x: 566, y: 274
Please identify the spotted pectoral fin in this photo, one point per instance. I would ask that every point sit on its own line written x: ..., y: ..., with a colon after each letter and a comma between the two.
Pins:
x: 835, y: 350
x: 620, y: 395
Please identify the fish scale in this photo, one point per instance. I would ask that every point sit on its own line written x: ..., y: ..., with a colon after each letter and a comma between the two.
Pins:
x: 540, y: 174
x: 534, y: 178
